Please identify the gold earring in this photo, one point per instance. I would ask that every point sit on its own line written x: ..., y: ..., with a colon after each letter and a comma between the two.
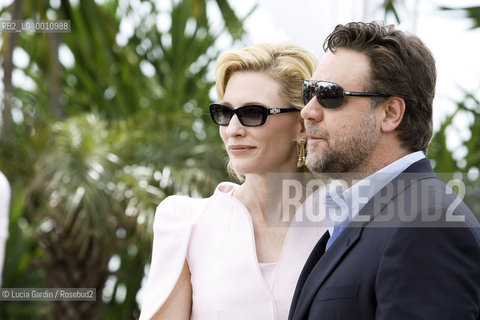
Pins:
x: 301, y: 152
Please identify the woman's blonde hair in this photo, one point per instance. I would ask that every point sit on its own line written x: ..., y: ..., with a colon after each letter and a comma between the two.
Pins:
x: 285, y: 62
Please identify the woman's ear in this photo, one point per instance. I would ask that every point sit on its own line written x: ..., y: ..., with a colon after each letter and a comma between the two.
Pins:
x: 392, y: 111
x: 302, y: 132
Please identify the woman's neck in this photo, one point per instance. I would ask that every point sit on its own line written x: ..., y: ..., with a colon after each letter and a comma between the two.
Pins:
x: 253, y: 193
x: 263, y: 196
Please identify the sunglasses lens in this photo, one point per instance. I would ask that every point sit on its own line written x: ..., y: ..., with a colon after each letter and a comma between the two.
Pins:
x: 251, y: 115
x: 307, y: 91
x: 329, y: 95
x: 221, y: 115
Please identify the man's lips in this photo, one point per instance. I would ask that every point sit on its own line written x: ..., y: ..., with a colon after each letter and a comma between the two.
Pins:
x: 317, y: 141
x: 313, y: 138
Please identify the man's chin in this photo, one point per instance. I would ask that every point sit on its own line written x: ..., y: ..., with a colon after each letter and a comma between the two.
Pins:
x: 315, y: 163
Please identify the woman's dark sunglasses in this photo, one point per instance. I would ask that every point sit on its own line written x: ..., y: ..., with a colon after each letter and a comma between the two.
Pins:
x: 329, y: 94
x: 251, y: 115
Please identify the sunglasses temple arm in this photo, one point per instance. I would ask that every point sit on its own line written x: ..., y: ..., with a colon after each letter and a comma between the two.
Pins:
x: 364, y: 94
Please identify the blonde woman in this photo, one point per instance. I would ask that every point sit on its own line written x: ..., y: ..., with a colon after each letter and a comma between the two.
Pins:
x: 221, y: 257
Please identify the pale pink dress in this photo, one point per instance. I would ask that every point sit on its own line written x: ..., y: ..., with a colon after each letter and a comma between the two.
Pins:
x: 215, y: 236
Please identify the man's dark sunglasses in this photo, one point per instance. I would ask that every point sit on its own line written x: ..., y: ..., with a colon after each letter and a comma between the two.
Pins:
x: 331, y: 95
x: 251, y: 115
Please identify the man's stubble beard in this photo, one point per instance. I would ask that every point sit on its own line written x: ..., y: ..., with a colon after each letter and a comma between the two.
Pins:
x: 346, y: 153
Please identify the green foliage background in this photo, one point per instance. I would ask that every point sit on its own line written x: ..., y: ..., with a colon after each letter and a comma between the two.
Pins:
x: 94, y: 146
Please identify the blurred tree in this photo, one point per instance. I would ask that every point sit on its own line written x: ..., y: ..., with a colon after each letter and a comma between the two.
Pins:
x: 88, y: 202
x: 109, y: 120
x: 390, y: 7
x: 472, y: 13
x: 467, y: 168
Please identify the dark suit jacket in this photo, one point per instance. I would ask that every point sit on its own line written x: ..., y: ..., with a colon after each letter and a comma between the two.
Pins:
x: 406, y: 262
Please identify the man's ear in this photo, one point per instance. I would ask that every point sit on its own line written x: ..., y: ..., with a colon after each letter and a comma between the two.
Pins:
x: 392, y: 111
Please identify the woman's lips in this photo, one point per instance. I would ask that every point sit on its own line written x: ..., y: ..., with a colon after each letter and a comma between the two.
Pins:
x: 240, y: 149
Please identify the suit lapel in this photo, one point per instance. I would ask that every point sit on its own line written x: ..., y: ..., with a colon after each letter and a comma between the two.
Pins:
x: 324, y: 266
x: 311, y: 281
x: 312, y: 260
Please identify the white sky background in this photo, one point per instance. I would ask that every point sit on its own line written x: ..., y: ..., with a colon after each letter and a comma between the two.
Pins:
x: 455, y: 47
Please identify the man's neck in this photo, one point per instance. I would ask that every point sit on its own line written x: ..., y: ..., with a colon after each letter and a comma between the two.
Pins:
x: 374, y: 163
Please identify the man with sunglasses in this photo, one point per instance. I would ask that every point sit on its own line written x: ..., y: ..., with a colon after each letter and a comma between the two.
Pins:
x: 408, y: 247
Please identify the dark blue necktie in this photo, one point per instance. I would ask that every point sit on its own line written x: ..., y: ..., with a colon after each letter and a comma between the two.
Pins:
x: 337, y: 230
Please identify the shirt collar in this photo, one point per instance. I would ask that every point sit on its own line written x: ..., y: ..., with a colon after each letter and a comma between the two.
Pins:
x: 358, y: 195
